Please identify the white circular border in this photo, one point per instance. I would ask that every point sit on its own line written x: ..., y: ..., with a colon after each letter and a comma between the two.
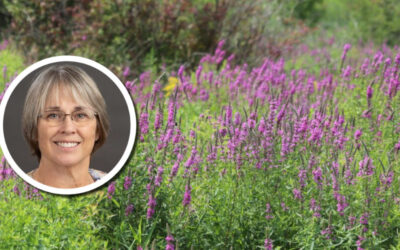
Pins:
x: 128, y: 101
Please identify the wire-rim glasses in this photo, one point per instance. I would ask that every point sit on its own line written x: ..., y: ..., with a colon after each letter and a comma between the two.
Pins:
x: 79, y: 117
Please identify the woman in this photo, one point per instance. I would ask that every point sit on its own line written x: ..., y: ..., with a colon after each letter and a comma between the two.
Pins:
x: 64, y: 122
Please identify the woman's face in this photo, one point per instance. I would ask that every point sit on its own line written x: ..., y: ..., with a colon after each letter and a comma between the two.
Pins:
x: 66, y: 144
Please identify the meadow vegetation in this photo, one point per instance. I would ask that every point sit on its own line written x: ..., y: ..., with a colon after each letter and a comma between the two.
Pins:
x: 279, y: 136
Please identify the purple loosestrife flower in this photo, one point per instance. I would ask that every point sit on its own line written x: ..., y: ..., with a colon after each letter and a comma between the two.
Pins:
x: 128, y: 209
x: 335, y: 168
x: 192, y: 133
x: 268, y: 211
x: 357, y: 134
x: 316, y: 134
x: 397, y: 60
x: 177, y: 136
x: 315, y: 208
x: 149, y: 188
x: 364, y: 219
x: 151, y: 206
x: 387, y: 180
x: 284, y: 207
x: 335, y: 184
x: 168, y: 136
x: 127, y: 71
x: 16, y: 190
x: 228, y: 114
x: 370, y: 91
x: 191, y: 160
x: 346, y: 48
x: 261, y: 126
x: 268, y: 244
x: 347, y: 72
x: 204, y: 95
x: 243, y: 132
x: 302, y: 177
x: 144, y: 124
x: 111, y: 190
x: 341, y: 203
x: 366, y: 167
x: 352, y: 220
x: 127, y: 182
x: 129, y: 85
x: 238, y: 119
x: 158, y: 179
x: 397, y: 146
x: 317, y: 173
x: 359, y: 242
x: 285, y: 145
x: 251, y: 122
x: 348, y: 175
x: 171, y: 115
x: 212, y: 154
x: 170, y: 245
x: 230, y: 58
x: 297, y: 194
x: 198, y: 74
x: 157, y: 121
x: 187, y: 196
x: 180, y: 72
x: 388, y: 62
x: 174, y: 169
x: 364, y: 66
x: 210, y: 77
x: 327, y: 231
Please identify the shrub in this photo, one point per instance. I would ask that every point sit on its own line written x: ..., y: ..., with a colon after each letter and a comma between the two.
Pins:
x: 141, y: 34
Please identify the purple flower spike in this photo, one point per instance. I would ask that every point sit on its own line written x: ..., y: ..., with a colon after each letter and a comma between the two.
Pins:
x: 127, y: 182
x: 370, y: 91
x: 170, y: 245
x: 357, y: 134
x: 111, y: 190
x: 268, y: 244
x: 180, y: 72
x: 128, y: 209
x: 16, y: 190
x: 346, y: 47
x: 127, y: 71
x: 152, y: 205
x: 187, y: 196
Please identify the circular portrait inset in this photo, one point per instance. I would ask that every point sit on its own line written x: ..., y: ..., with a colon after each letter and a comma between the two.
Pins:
x: 67, y: 125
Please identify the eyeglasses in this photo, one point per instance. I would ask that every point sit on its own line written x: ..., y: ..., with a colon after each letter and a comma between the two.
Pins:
x: 78, y: 117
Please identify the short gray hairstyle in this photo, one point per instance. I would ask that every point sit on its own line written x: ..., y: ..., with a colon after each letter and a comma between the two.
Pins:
x: 82, y: 88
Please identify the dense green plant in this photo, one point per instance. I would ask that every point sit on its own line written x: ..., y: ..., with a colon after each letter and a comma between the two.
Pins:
x: 361, y: 20
x: 38, y: 220
x: 118, y: 33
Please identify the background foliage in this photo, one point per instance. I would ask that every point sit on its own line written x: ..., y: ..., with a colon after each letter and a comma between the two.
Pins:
x: 140, y: 34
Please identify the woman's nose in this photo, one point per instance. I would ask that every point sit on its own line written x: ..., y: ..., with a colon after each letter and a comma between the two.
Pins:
x: 68, y: 126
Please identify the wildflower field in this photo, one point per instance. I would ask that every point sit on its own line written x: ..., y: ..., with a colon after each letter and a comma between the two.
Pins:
x: 301, y: 152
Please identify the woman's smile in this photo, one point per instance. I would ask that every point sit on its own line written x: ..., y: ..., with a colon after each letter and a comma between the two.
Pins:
x: 67, y: 144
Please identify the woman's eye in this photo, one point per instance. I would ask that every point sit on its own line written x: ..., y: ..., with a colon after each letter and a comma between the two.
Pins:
x: 81, y: 116
x: 53, y: 116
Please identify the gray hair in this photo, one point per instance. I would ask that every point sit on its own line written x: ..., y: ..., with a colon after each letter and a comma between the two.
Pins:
x: 82, y: 88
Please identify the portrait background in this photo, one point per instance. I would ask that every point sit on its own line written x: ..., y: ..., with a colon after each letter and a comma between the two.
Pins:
x: 106, y: 157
